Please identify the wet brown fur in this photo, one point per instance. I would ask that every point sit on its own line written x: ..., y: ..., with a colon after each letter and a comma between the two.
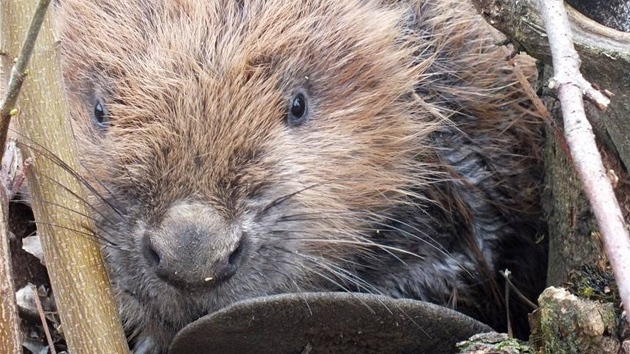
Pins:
x: 197, y: 94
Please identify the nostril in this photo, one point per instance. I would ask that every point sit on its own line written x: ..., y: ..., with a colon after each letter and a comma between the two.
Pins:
x: 188, y: 255
x: 152, y: 257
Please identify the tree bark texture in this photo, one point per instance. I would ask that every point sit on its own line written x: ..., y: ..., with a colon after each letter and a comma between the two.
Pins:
x: 87, y: 310
x: 10, y: 339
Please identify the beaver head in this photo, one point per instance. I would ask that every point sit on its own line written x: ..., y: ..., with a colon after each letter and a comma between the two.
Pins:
x: 240, y: 148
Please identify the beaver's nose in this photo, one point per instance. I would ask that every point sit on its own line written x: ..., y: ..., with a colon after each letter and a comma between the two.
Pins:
x: 194, y: 247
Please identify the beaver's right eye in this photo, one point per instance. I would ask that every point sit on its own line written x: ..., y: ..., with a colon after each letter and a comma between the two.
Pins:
x: 100, y: 115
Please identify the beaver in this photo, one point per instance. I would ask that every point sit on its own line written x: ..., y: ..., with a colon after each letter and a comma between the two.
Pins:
x: 238, y: 149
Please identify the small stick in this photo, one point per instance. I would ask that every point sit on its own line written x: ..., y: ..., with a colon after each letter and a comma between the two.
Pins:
x: 510, y: 332
x: 19, y: 72
x: 571, y: 87
x: 506, y: 274
x: 42, y: 317
x: 9, y: 330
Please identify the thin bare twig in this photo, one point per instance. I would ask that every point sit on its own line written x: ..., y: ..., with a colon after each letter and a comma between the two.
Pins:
x: 570, y: 87
x: 507, y: 276
x: 19, y: 71
x: 42, y: 318
x: 9, y: 330
x: 510, y: 331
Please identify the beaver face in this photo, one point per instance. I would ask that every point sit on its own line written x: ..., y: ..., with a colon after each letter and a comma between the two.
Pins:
x: 239, y: 149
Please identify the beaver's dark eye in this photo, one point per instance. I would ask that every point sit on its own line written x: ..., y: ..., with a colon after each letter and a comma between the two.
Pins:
x: 100, y: 115
x: 298, y: 110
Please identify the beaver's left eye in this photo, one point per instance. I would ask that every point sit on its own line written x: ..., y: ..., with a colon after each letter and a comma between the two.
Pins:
x: 100, y: 116
x: 298, y: 110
